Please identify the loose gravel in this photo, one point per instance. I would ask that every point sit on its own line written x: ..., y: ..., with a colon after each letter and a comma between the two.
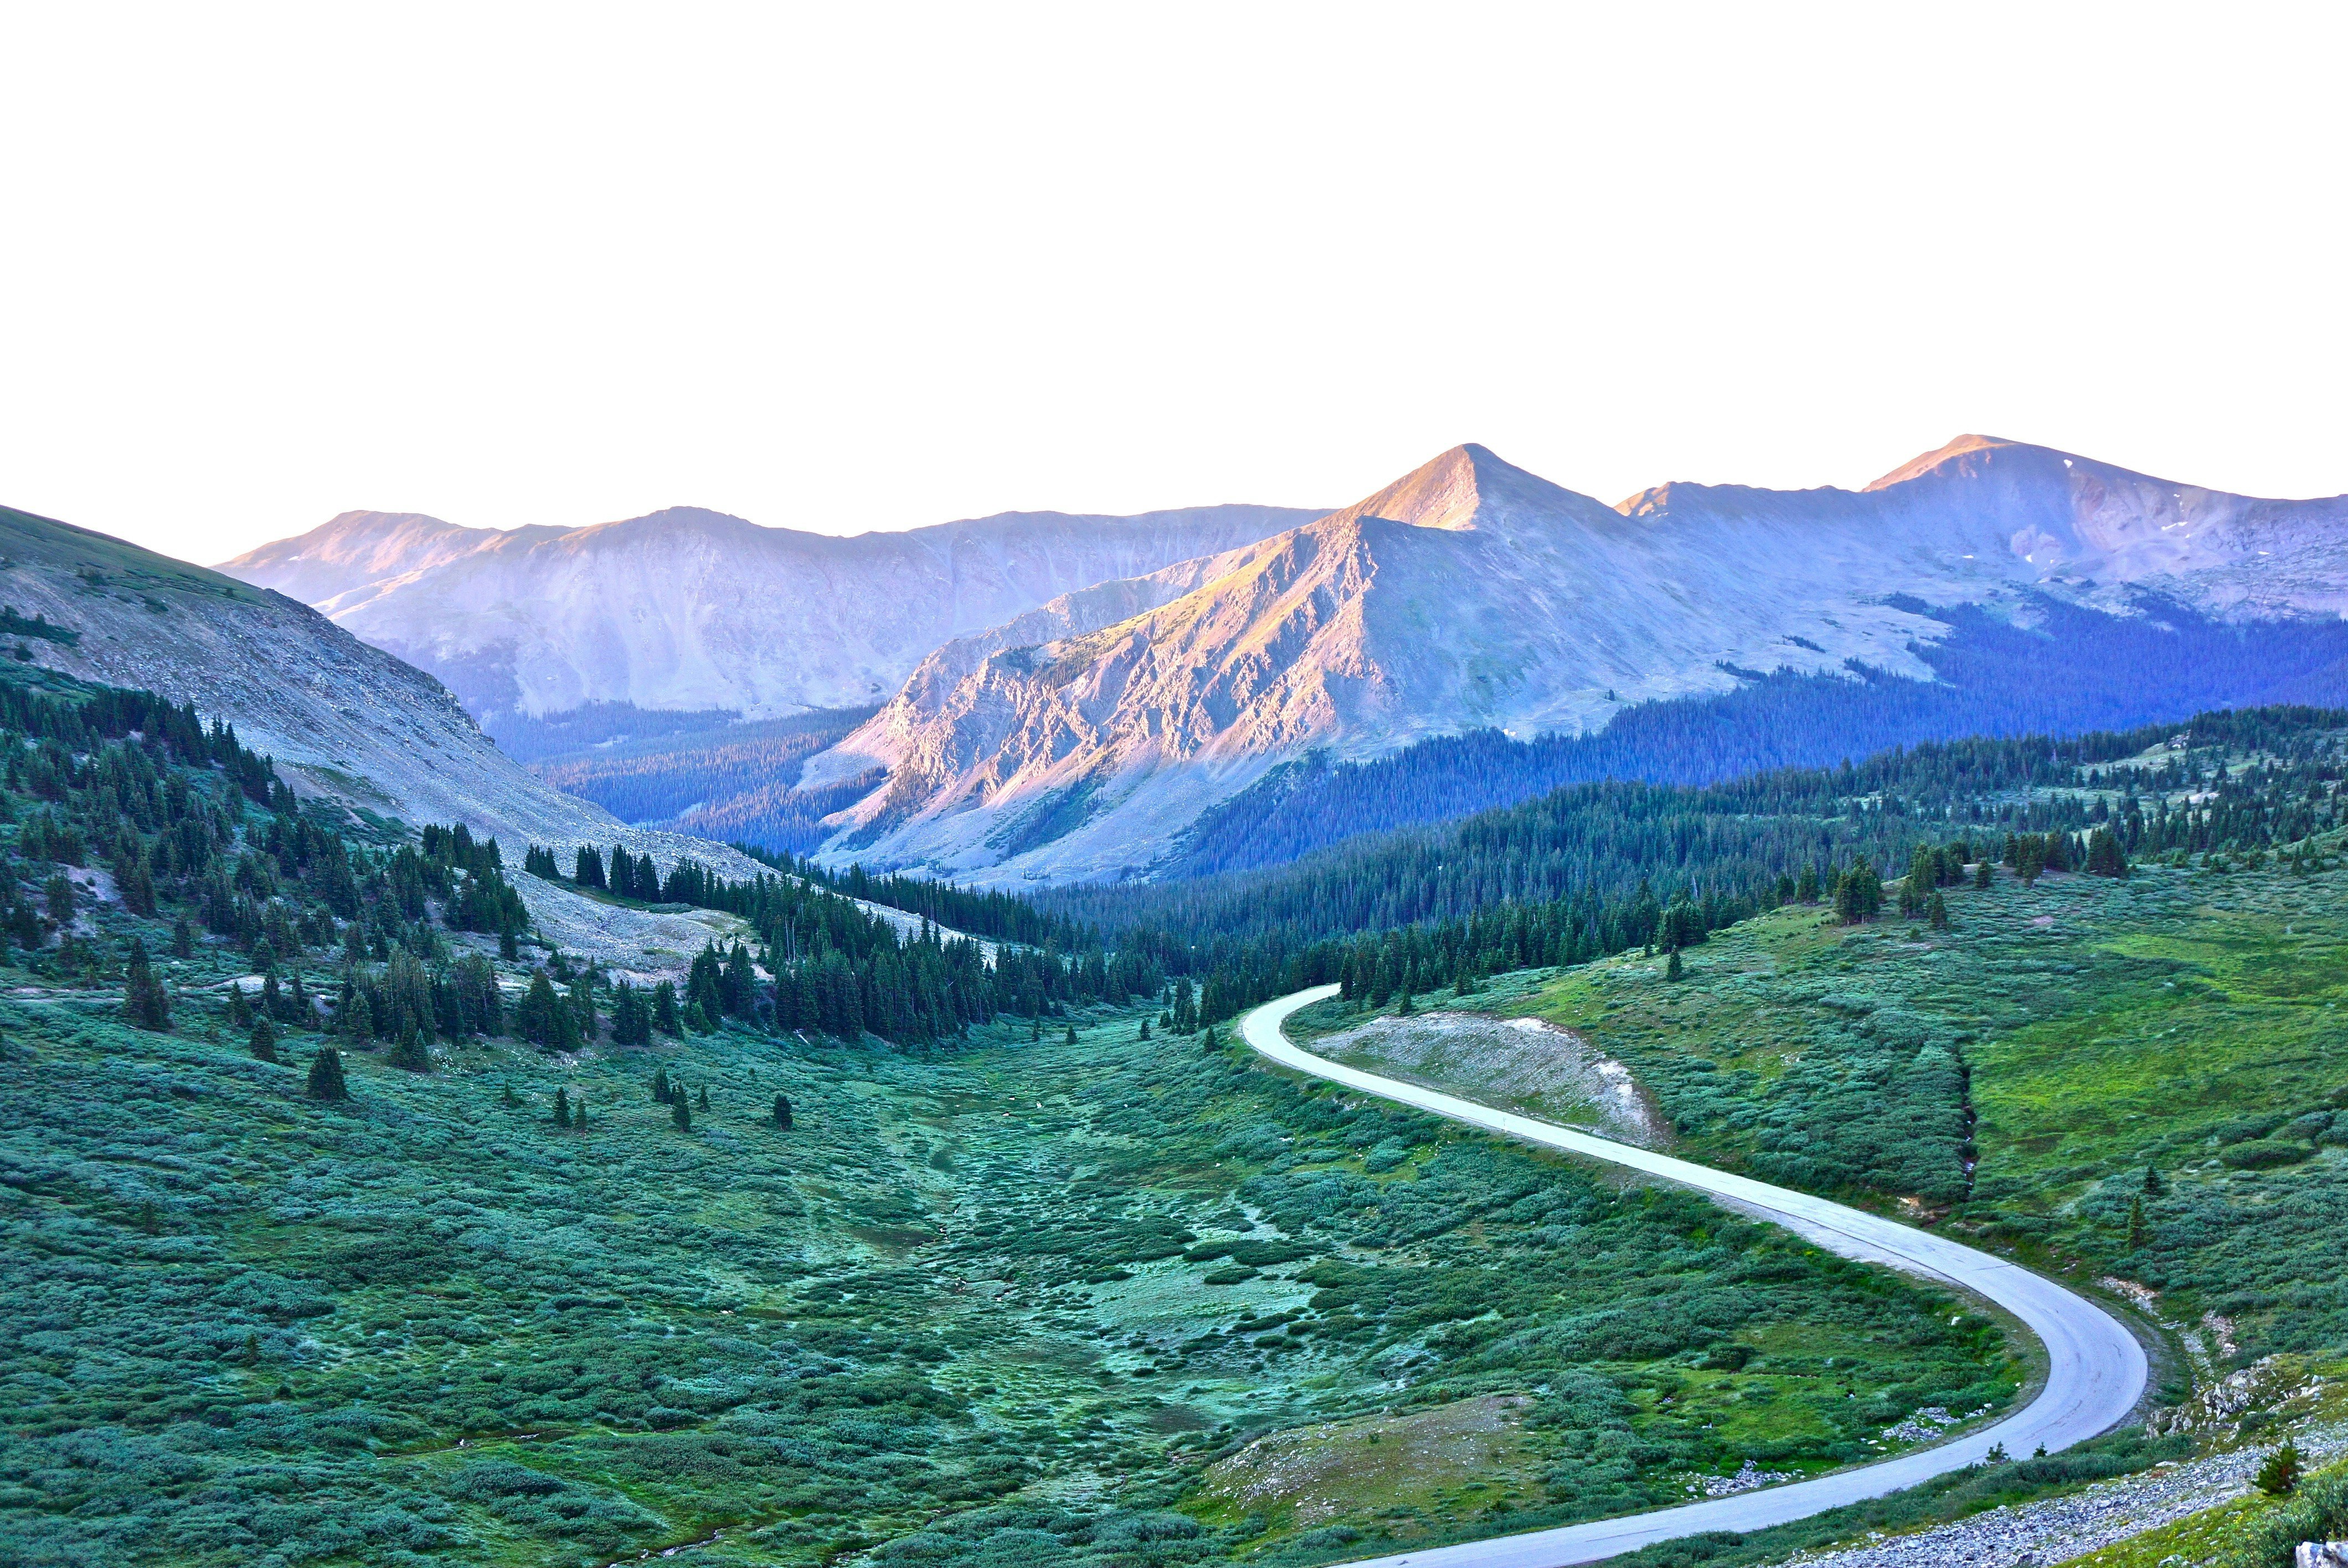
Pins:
x: 2059, y: 1528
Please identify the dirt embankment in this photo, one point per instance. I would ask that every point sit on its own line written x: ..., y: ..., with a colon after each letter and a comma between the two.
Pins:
x: 1520, y: 1062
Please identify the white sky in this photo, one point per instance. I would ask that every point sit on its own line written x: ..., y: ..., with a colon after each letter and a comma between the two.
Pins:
x: 851, y: 267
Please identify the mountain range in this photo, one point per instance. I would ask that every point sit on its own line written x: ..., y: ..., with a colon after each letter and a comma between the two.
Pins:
x: 1065, y: 699
x: 1083, y: 741
x: 687, y: 608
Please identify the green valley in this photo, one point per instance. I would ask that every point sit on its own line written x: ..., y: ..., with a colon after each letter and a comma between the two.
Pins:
x: 1032, y: 1299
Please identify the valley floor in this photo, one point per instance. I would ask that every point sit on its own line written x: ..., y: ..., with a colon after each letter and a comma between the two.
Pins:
x: 1116, y: 1302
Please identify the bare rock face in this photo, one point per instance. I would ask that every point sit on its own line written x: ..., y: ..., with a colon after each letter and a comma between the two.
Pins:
x: 344, y: 720
x: 1076, y: 742
x: 687, y: 609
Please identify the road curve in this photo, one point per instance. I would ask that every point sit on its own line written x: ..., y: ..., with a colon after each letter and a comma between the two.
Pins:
x: 2096, y: 1370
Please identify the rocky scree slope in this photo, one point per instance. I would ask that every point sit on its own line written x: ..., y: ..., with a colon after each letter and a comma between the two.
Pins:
x: 687, y: 609
x: 1078, y: 742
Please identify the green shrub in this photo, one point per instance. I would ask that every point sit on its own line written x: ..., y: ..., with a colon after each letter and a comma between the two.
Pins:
x: 2318, y: 1510
x: 2264, y: 1154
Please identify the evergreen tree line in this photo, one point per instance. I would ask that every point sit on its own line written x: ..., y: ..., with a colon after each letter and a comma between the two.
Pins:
x: 1729, y: 846
x: 835, y: 966
x: 1602, y: 869
x: 1584, y: 874
x: 998, y: 917
x: 197, y: 829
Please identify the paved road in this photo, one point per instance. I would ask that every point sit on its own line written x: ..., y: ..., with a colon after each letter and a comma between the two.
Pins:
x: 2096, y: 1368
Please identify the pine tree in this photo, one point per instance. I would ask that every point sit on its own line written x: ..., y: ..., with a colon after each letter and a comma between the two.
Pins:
x: 1857, y: 895
x: 739, y: 984
x: 783, y: 1112
x: 327, y: 1075
x: 1070, y: 1037
x: 145, y: 1003
x: 183, y: 939
x: 680, y: 1110
x: 264, y: 1044
x: 2105, y: 855
x: 664, y: 1017
x: 1675, y: 969
x: 1981, y: 876
x: 2279, y: 1476
x: 582, y: 1006
x: 544, y: 1019
x: 562, y: 1109
x: 703, y: 1103
x: 1403, y: 1008
x: 509, y: 1097
x: 410, y: 1052
x: 632, y: 1017
x: 1939, y: 911
x: 661, y: 1090
x: 1213, y: 1045
x: 1923, y: 876
x: 1145, y: 1028
x: 1805, y: 891
x: 2139, y: 1232
x: 2152, y: 1181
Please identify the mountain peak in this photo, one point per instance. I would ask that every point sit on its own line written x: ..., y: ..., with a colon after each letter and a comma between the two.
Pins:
x: 1466, y: 488
x: 1917, y: 468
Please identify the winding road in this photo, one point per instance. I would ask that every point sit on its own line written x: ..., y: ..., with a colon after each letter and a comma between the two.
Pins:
x: 2095, y: 1371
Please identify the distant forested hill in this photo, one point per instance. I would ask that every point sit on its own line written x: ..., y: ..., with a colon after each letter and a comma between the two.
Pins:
x: 2075, y: 671
x: 734, y: 783
x: 1593, y: 868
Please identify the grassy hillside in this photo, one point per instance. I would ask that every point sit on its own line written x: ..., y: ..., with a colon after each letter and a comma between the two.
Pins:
x: 28, y: 539
x: 2070, y: 1036
x: 2012, y: 1078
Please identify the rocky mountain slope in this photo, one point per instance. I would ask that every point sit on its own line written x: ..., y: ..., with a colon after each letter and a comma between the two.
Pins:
x: 345, y: 721
x: 687, y: 609
x: 1079, y: 743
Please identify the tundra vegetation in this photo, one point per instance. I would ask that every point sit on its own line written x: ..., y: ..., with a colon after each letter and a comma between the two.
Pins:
x: 347, y: 1223
x: 1023, y: 1302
